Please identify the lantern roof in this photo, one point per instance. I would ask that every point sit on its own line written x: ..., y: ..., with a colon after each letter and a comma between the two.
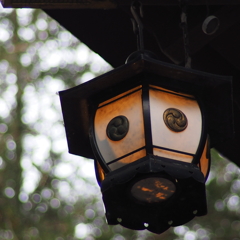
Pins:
x: 215, y: 92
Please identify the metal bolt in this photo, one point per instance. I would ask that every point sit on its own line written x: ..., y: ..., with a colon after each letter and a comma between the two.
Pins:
x: 119, y: 220
x: 170, y: 222
x: 195, y: 212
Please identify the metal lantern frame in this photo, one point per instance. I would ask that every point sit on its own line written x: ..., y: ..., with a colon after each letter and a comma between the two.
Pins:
x: 147, y: 81
x: 79, y: 105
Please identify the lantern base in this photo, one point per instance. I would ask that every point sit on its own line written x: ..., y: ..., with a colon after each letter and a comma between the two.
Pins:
x: 154, y: 193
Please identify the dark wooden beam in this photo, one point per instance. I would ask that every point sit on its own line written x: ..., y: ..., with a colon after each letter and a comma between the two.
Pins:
x: 176, y: 2
x: 103, y: 4
x: 59, y: 4
x: 228, y: 45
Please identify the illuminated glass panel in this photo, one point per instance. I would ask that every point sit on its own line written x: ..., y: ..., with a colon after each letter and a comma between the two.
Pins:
x: 204, y: 160
x: 128, y: 105
x: 172, y: 155
x: 153, y: 189
x: 185, y: 141
x: 101, y: 173
x: 129, y: 159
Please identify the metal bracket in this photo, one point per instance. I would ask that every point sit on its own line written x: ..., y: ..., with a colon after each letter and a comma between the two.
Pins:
x: 137, y: 13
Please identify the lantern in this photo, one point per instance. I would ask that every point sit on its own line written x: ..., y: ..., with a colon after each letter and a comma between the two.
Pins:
x: 147, y: 126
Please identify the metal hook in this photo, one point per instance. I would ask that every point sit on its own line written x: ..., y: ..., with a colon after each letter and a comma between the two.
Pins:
x: 184, y: 25
x: 137, y: 23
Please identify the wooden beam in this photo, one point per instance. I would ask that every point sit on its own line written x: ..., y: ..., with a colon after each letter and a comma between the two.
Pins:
x: 228, y: 45
x: 103, y: 4
x: 176, y: 2
x: 59, y: 4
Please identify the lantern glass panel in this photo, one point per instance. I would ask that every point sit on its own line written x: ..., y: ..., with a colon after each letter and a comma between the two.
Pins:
x: 184, y: 141
x: 153, y: 189
x: 126, y: 160
x: 205, y: 160
x: 100, y: 172
x: 129, y: 148
x: 172, y: 155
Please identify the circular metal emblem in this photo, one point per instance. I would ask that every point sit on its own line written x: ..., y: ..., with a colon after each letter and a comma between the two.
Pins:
x: 175, y: 119
x: 117, y: 128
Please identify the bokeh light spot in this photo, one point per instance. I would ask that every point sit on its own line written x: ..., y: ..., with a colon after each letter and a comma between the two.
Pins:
x: 55, y: 203
x: 9, y: 192
x: 81, y: 231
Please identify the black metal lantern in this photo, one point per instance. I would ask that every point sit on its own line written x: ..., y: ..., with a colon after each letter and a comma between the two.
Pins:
x: 146, y: 125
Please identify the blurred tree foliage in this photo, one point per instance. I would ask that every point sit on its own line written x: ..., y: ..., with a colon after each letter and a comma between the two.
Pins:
x: 45, y: 193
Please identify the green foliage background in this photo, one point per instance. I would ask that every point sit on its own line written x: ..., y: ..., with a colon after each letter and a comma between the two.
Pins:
x: 45, y: 193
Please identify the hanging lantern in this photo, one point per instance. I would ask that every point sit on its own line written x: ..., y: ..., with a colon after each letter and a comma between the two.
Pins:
x: 147, y: 126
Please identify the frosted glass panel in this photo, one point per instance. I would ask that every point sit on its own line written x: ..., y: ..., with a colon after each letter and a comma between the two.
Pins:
x: 172, y: 155
x: 129, y: 106
x: 184, y: 141
x: 129, y: 159
x: 204, y: 161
